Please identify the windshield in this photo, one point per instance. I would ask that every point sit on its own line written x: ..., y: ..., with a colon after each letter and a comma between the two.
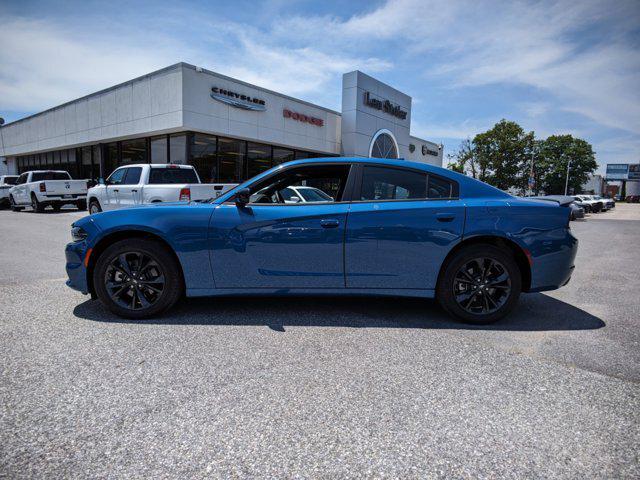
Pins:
x: 40, y: 176
x: 314, y: 195
x: 172, y: 175
x: 10, y: 180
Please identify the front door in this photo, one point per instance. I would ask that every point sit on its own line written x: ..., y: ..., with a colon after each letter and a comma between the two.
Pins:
x: 272, y: 244
x: 400, y: 228
x: 112, y: 190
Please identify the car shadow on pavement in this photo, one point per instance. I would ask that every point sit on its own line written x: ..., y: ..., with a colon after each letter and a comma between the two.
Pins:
x: 536, y: 312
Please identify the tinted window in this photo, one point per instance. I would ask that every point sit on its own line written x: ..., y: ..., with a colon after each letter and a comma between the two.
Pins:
x: 40, y: 176
x: 117, y: 177
x: 172, y: 175
x: 133, y: 176
x: 10, y: 180
x: 380, y: 183
x: 328, y: 182
x: 22, y: 179
x: 439, y: 188
x: 314, y: 195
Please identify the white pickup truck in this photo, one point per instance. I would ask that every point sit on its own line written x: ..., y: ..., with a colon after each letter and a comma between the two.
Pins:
x: 43, y: 188
x: 143, y: 184
x: 6, y: 182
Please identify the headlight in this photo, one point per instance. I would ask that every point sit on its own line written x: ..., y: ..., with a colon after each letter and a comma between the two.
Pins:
x: 78, y: 234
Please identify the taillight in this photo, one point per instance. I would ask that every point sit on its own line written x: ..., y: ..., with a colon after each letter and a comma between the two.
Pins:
x: 43, y: 187
x: 185, y: 195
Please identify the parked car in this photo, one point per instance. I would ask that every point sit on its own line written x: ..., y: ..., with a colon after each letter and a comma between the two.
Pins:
x: 47, y: 188
x: 392, y: 227
x: 577, y: 211
x: 590, y: 204
x: 6, y: 182
x: 632, y: 198
x: 608, y: 202
x: 144, y: 184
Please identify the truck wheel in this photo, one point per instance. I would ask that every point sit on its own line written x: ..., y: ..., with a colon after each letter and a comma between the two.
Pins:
x: 480, y: 284
x: 82, y: 204
x: 137, y: 278
x: 94, y: 207
x: 36, y: 205
x: 14, y: 207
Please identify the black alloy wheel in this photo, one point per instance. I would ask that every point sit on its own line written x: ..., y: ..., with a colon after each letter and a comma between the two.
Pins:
x: 137, y: 278
x: 94, y: 207
x: 482, y: 286
x: 134, y: 280
x: 13, y: 205
x: 479, y: 283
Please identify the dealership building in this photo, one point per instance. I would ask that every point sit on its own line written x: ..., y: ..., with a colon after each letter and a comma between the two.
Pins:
x: 227, y: 129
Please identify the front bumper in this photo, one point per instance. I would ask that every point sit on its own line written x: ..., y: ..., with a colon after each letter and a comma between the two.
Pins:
x: 75, y: 254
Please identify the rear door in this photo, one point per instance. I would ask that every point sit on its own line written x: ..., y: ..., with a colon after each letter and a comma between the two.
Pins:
x: 401, y: 225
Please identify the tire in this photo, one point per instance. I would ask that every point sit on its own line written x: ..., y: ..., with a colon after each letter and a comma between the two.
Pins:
x: 81, y: 205
x: 94, y: 207
x: 36, y: 205
x: 501, y: 300
x: 14, y: 207
x: 123, y: 296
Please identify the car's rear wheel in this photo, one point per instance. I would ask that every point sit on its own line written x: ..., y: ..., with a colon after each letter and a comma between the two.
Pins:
x: 94, y: 207
x: 480, y: 284
x: 137, y: 278
x: 36, y: 205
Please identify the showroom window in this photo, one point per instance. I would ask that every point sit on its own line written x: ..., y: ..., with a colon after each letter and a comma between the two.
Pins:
x: 282, y: 155
x: 110, y: 158
x: 178, y: 149
x: 231, y: 155
x: 258, y: 158
x: 133, y: 151
x: 203, y: 156
x: 383, y: 145
x: 159, y: 150
x: 380, y: 183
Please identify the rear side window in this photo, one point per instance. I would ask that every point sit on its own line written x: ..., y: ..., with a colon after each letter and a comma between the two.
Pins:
x: 10, y: 180
x: 439, y: 187
x: 380, y: 183
x: 43, y: 176
x: 172, y: 175
x: 133, y: 176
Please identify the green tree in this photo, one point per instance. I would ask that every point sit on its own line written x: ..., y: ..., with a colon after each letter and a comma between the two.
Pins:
x: 552, y: 160
x: 463, y: 160
x: 503, y: 155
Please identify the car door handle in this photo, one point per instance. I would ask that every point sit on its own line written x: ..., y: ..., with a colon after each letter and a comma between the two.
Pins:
x: 115, y: 190
x: 134, y: 191
x: 329, y: 223
x: 445, y: 217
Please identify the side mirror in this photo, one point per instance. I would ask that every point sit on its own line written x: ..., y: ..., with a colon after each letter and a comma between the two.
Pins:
x: 102, y: 181
x: 242, y: 197
x: 294, y: 199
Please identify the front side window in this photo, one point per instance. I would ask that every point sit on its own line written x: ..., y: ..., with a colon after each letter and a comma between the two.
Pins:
x: 117, y: 177
x: 302, y: 185
x: 22, y: 179
x: 381, y: 183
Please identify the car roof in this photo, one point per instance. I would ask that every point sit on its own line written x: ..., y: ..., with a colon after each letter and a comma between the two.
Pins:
x: 157, y: 165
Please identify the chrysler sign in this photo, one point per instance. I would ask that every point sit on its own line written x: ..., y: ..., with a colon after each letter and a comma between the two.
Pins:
x: 238, y: 100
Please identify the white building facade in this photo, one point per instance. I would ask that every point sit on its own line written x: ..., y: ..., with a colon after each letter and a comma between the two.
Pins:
x: 228, y: 129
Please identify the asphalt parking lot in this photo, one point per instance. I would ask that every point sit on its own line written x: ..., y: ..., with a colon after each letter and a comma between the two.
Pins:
x: 318, y: 387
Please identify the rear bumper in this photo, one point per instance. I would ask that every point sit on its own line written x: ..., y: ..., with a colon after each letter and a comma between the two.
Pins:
x: 554, y: 263
x: 75, y: 254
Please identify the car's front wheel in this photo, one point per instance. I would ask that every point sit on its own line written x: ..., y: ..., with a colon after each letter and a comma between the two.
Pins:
x: 137, y: 278
x: 94, y: 207
x: 480, y: 284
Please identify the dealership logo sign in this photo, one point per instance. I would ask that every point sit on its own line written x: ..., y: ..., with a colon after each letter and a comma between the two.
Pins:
x: 238, y: 100
x: 385, y: 106
x: 318, y: 122
x: 427, y: 151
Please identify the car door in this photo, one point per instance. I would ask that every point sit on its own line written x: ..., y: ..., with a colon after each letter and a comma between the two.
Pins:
x: 129, y: 188
x: 112, y: 190
x: 19, y: 194
x: 272, y: 244
x: 401, y: 225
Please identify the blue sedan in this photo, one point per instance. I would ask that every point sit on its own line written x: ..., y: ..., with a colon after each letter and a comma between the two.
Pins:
x: 386, y: 227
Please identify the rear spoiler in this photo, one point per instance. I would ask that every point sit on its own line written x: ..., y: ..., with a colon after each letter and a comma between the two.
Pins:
x: 562, y: 200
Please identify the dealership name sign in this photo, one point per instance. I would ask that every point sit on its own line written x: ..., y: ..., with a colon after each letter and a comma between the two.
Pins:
x: 238, y: 100
x: 301, y: 117
x: 385, y: 106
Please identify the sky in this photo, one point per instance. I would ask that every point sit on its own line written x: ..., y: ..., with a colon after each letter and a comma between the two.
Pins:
x: 555, y: 67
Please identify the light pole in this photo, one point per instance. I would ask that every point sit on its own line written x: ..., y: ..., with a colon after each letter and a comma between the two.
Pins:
x: 566, y: 183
